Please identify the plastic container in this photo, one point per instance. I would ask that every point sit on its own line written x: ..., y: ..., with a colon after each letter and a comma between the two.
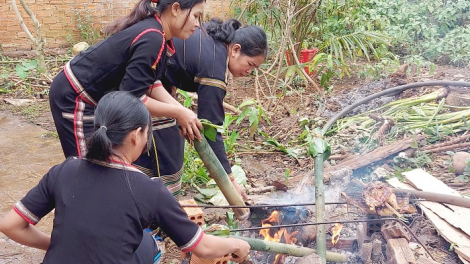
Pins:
x: 306, y: 55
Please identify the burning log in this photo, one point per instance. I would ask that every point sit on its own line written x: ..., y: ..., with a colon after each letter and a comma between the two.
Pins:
x: 218, y: 173
x: 291, y: 250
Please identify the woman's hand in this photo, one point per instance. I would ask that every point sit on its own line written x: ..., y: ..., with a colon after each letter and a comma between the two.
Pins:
x: 190, y: 126
x: 241, y: 253
x: 240, y: 190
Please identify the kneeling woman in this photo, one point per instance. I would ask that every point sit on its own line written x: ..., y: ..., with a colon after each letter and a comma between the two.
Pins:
x: 102, y: 203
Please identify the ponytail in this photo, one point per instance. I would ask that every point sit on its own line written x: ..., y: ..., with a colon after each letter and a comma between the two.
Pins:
x: 99, y: 145
x: 252, y: 39
x: 223, y: 31
x: 116, y: 115
x: 144, y: 9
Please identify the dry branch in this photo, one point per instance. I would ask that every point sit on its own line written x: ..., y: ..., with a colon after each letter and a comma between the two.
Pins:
x: 449, y: 147
x: 375, y: 155
x: 226, y: 106
x: 38, y: 41
x: 447, y: 143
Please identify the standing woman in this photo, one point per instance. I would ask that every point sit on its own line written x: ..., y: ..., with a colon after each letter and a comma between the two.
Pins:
x: 202, y: 64
x: 131, y: 59
x: 103, y: 203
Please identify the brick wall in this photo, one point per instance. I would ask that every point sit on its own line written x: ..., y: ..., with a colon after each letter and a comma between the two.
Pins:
x: 59, y: 19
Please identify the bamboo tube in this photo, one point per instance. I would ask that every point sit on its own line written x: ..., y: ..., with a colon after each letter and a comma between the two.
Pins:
x: 291, y: 250
x: 217, y: 172
x: 320, y: 207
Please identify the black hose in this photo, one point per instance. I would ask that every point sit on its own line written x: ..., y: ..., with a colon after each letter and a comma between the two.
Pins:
x: 389, y: 91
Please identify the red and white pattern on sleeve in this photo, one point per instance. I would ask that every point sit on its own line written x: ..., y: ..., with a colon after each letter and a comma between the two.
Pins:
x: 25, y: 213
x: 193, y: 242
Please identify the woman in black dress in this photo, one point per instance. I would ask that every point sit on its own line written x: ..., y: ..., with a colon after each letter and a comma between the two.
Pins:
x: 201, y: 64
x: 102, y: 203
x: 131, y: 59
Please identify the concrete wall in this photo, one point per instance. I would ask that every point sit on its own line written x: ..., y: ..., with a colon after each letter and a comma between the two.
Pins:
x: 58, y: 19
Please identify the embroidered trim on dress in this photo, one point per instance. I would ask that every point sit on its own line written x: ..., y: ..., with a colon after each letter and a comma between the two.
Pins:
x: 77, y: 86
x: 117, y: 165
x: 25, y: 213
x: 71, y: 117
x: 212, y: 82
x: 173, y: 182
x: 162, y: 122
x: 78, y: 127
x: 193, y: 242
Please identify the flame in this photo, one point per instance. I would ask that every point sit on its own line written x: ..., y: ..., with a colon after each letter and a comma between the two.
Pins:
x: 273, y: 218
x: 336, y: 230
x: 277, y: 236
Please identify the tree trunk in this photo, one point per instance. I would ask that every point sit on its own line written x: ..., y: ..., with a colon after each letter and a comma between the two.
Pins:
x: 38, y: 41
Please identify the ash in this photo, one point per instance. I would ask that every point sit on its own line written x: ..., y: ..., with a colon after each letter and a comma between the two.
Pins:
x: 348, y: 97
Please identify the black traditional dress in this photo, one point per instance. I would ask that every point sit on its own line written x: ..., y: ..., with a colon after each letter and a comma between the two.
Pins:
x: 101, y: 210
x: 130, y: 60
x: 200, y: 64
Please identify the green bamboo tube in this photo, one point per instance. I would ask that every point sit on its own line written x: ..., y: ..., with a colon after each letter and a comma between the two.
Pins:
x: 320, y: 207
x: 217, y: 172
x: 291, y: 250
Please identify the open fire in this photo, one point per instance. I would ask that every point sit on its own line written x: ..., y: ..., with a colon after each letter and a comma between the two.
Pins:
x: 280, y: 235
x: 335, y: 232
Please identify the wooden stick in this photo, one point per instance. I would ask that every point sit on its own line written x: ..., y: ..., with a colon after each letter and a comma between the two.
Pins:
x: 226, y: 106
x: 217, y: 172
x: 448, y: 147
x: 261, y: 189
x: 375, y: 155
x: 286, y: 249
x: 437, y: 197
x: 447, y: 143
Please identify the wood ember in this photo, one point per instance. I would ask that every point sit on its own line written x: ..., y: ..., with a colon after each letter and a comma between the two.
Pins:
x: 392, y: 229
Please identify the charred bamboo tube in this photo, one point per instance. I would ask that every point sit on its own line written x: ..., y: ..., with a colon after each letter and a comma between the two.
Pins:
x: 437, y: 197
x: 320, y: 208
x: 217, y: 172
x: 291, y: 250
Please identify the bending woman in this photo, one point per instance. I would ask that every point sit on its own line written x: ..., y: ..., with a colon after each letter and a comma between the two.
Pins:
x: 102, y: 203
x: 131, y: 59
x: 202, y: 64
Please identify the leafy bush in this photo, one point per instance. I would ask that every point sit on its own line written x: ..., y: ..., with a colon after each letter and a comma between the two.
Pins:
x: 438, y: 30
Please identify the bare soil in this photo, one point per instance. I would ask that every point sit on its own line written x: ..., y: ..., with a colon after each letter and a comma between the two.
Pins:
x: 263, y: 168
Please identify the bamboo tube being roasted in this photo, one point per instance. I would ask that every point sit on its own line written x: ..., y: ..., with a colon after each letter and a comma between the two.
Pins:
x: 217, y: 172
x: 291, y: 250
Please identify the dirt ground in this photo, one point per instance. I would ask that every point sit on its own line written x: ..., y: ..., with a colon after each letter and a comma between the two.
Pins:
x: 30, y: 148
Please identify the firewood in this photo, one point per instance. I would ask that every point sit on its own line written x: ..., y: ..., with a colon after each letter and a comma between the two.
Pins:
x: 375, y: 155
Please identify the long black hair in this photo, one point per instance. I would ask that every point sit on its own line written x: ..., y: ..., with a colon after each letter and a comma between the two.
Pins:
x: 117, y: 114
x: 252, y: 39
x: 144, y: 9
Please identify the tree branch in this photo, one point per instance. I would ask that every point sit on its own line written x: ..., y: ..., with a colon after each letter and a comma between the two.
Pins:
x: 22, y: 24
